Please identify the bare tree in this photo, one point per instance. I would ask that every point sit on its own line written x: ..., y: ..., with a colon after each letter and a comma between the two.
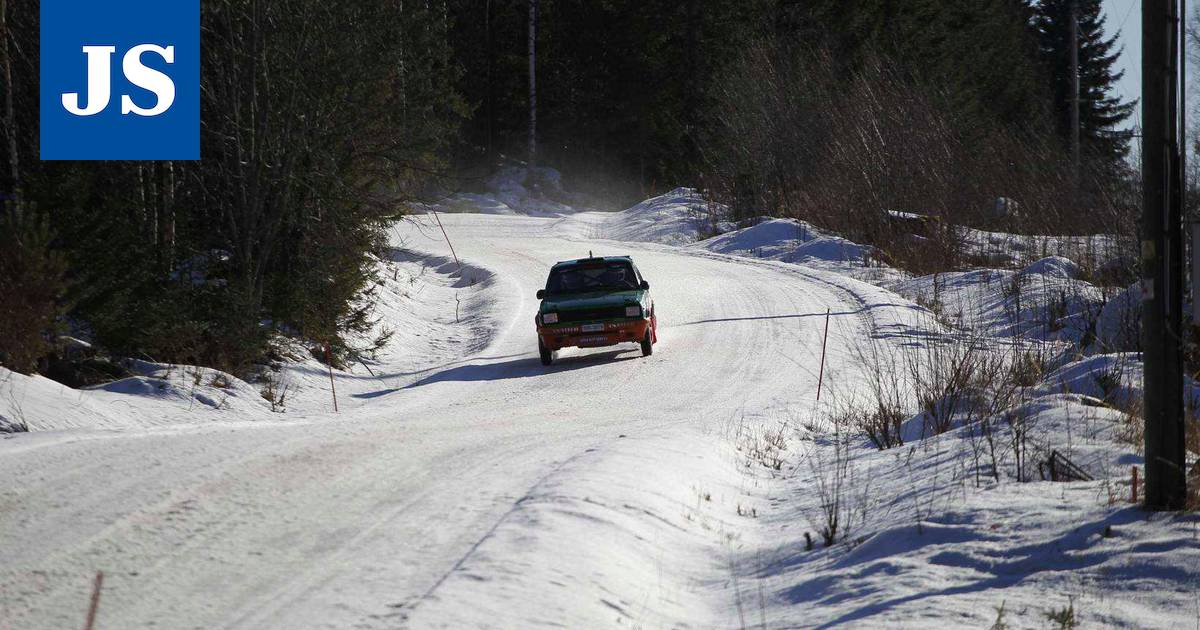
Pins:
x: 887, y: 162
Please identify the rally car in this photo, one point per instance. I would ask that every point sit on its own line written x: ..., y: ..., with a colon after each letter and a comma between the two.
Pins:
x: 595, y: 302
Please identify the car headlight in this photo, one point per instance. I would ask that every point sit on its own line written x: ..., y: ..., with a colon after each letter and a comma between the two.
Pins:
x: 549, y: 318
x: 633, y: 311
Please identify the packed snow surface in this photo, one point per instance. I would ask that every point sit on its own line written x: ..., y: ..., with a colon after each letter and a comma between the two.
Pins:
x: 463, y: 485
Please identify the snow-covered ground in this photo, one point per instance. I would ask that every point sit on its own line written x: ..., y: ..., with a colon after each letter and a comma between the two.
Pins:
x: 462, y: 484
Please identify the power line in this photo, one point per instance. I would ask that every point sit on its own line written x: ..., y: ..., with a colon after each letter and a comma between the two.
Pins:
x: 1128, y: 12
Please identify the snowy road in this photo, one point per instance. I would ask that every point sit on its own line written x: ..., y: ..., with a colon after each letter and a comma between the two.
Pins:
x: 483, y: 491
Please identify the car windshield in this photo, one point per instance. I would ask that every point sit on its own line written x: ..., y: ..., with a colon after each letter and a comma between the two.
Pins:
x: 586, y: 278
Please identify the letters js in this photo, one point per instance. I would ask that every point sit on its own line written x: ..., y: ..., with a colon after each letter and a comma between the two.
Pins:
x: 99, y: 72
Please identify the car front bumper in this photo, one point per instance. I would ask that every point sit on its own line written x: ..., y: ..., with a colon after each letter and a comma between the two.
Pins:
x: 611, y: 333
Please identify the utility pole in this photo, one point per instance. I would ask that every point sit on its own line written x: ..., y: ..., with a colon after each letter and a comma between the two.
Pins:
x: 1074, y: 31
x: 1162, y: 254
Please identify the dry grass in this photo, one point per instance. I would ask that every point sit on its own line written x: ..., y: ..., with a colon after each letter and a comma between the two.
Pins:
x: 765, y: 446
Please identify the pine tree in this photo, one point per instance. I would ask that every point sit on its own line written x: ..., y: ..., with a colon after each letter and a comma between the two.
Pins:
x: 306, y: 159
x: 1100, y: 112
x: 32, y: 281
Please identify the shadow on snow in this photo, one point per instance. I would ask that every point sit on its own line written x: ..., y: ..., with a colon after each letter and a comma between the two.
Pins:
x: 523, y: 367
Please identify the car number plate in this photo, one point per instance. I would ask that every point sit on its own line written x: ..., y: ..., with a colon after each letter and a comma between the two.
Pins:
x: 592, y: 328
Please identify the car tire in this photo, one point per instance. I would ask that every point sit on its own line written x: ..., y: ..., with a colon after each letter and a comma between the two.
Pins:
x: 547, y: 355
x: 647, y: 345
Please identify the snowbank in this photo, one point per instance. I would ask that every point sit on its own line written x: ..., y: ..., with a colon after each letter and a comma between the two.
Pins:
x: 1115, y: 379
x: 680, y: 217
x: 1044, y: 301
x: 1021, y: 249
x: 945, y: 532
x: 1055, y: 267
x: 160, y: 395
x: 789, y: 240
x: 1120, y: 323
x: 434, y: 310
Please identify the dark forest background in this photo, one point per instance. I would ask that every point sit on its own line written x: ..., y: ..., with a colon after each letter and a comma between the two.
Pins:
x: 322, y: 121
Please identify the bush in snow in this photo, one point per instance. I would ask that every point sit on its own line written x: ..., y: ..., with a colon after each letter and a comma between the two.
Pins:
x: 11, y: 420
x: 844, y: 494
x: 881, y: 419
x: 766, y: 446
x: 274, y: 390
x: 1027, y: 368
x: 943, y: 373
x: 1064, y: 618
x: 882, y: 425
x: 8, y: 425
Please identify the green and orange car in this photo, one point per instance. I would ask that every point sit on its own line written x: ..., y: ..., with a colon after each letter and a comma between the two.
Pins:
x: 595, y: 302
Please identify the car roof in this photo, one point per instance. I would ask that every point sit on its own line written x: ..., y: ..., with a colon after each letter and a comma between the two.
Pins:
x: 592, y: 260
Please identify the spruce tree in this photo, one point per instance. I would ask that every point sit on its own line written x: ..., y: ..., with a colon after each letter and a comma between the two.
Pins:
x: 1100, y: 111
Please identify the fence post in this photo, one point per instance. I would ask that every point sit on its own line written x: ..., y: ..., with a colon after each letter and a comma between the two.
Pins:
x: 95, y: 604
x: 332, y: 387
x: 1133, y: 486
x: 824, y: 340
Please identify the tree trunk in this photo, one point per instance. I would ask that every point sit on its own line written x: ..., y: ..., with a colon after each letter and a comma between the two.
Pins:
x: 167, y: 239
x: 403, y: 76
x: 489, y: 107
x: 10, y: 117
x: 532, y: 88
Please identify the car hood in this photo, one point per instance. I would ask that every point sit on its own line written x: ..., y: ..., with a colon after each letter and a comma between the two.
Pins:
x: 592, y: 300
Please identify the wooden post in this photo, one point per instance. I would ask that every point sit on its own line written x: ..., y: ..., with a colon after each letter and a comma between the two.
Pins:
x: 824, y: 340
x: 1133, y: 486
x: 95, y: 604
x: 332, y: 387
x: 447, y: 237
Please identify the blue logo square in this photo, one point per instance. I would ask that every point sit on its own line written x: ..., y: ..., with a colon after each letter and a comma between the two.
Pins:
x: 147, y: 54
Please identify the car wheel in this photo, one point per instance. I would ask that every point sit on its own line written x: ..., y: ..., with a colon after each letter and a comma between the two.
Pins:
x: 647, y: 345
x: 547, y: 354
